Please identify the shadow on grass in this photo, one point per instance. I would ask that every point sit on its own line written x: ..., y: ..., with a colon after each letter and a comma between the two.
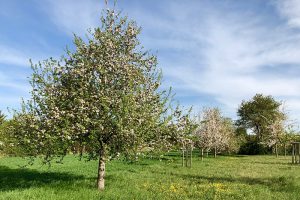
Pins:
x: 282, y: 184
x: 276, y: 163
x: 237, y: 155
x: 12, y: 179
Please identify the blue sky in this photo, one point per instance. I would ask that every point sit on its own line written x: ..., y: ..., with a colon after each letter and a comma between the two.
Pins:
x: 213, y: 53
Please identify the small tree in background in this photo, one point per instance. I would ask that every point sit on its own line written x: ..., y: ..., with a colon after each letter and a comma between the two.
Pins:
x: 105, y: 96
x: 8, y: 129
x: 288, y: 137
x: 280, y: 130
x: 9, y: 145
x: 209, y: 131
x: 275, y: 133
x: 215, y: 132
x: 258, y: 114
x: 203, y: 138
x: 230, y: 140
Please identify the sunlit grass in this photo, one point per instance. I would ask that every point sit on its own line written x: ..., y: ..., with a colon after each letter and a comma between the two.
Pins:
x: 245, y: 177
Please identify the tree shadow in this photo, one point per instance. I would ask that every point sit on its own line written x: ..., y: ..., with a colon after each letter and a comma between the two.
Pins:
x: 237, y: 155
x: 22, y: 178
x: 281, y: 184
x: 275, y: 163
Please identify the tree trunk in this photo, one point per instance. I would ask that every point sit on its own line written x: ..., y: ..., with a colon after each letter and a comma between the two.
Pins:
x: 202, y: 151
x: 215, y: 151
x: 191, y: 152
x: 82, y: 150
x: 101, y: 169
x: 182, y: 157
x: 258, y: 132
x: 276, y: 150
x: 186, y: 157
x: 293, y: 153
x: 284, y: 149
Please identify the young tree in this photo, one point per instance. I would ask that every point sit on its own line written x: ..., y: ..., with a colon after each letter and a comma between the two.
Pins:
x: 276, y: 130
x: 104, y: 96
x: 202, y: 137
x: 288, y: 137
x: 9, y: 145
x: 209, y: 132
x: 215, y: 132
x: 230, y: 141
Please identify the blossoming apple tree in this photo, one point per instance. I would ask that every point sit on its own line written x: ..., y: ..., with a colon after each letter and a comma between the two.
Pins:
x: 105, y: 96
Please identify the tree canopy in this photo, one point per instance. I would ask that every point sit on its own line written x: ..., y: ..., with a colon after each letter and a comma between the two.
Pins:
x: 258, y: 114
x: 214, y: 131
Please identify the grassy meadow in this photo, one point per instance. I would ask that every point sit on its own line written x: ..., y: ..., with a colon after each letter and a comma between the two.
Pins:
x: 224, y: 177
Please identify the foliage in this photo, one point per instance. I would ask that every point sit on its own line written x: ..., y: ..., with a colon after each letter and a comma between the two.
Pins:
x: 276, y: 132
x: 252, y: 147
x: 11, y: 137
x: 258, y: 113
x: 231, y: 141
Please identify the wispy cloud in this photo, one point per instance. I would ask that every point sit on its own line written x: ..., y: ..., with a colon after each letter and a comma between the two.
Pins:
x: 290, y: 10
x: 13, y: 56
x: 12, y: 89
x: 73, y: 16
x: 212, y: 52
x: 14, y: 67
x: 229, y: 57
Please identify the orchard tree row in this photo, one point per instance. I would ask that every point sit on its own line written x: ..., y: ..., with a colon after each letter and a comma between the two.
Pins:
x: 210, y: 132
x: 262, y: 127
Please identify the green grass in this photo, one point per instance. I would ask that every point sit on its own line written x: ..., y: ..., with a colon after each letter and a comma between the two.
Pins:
x: 244, y: 177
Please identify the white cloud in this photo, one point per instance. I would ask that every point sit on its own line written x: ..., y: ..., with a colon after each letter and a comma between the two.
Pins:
x: 14, y: 66
x: 74, y: 16
x: 13, y: 56
x: 232, y: 65
x: 17, y: 82
x: 290, y: 10
x: 19, y: 56
x: 12, y: 89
